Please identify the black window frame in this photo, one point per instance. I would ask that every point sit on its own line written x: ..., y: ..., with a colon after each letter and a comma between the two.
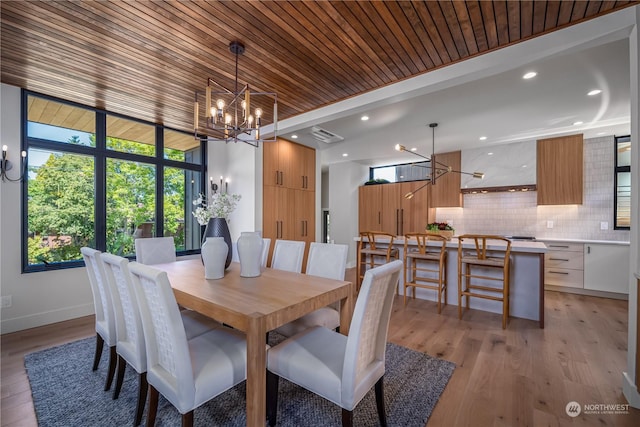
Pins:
x: 100, y: 153
x: 618, y: 169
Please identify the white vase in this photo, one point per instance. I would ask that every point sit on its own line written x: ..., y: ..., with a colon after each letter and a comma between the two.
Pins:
x: 250, y: 253
x: 214, y: 255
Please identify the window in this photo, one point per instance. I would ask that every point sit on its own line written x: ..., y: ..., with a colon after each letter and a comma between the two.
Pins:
x: 102, y: 180
x: 622, y: 183
x: 402, y: 173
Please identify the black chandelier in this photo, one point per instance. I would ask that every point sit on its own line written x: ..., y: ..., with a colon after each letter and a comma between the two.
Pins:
x: 436, y: 169
x: 228, y: 115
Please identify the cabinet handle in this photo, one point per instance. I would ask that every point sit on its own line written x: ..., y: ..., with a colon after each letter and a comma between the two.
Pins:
x: 557, y: 259
x: 397, y: 222
x: 302, y: 225
x: 588, y: 249
x: 559, y: 246
x: 379, y: 220
x: 401, y: 222
x: 558, y: 272
x: 281, y: 178
x: 306, y: 228
x: 277, y: 178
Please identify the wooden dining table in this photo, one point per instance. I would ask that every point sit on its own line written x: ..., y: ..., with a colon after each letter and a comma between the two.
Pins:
x: 256, y: 305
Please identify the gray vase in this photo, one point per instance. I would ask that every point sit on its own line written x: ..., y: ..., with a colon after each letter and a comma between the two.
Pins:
x: 218, y: 227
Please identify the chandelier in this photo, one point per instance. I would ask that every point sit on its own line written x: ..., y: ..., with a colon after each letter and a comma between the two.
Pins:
x: 436, y: 169
x: 228, y: 113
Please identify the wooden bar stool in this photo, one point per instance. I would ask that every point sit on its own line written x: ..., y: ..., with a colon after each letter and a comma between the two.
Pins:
x: 425, y: 263
x: 375, y: 248
x: 487, y: 253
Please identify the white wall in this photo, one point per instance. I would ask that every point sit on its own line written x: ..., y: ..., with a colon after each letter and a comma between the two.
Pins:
x: 344, y: 180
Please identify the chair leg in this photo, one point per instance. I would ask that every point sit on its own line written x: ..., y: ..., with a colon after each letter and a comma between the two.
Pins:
x: 122, y: 364
x: 187, y: 419
x: 380, y: 402
x: 143, y: 386
x: 347, y: 418
x: 153, y: 406
x: 99, y: 347
x: 113, y: 357
x: 272, y: 397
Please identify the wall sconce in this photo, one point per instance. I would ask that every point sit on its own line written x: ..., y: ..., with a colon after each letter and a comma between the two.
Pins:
x: 6, y: 165
x: 214, y: 186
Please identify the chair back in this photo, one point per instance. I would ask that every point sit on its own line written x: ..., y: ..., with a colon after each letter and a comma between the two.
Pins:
x: 366, y: 343
x: 168, y: 360
x: 125, y: 306
x: 103, y: 305
x: 155, y: 250
x: 425, y: 244
x: 266, y: 245
x: 481, y: 249
x: 288, y: 255
x: 376, y: 240
x: 327, y: 260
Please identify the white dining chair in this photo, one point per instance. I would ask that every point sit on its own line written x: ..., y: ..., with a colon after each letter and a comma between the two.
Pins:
x: 187, y: 372
x: 288, y: 255
x: 103, y: 306
x: 266, y: 245
x: 341, y: 369
x: 130, y: 345
x: 155, y: 250
x: 325, y: 260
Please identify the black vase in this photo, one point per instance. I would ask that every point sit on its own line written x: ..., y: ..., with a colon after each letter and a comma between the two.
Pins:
x: 218, y: 227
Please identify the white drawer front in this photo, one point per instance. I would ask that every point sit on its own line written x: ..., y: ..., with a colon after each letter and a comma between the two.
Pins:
x: 558, y: 259
x: 565, y: 247
x: 563, y: 277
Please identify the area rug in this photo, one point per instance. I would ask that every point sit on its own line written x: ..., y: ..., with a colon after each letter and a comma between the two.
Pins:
x: 66, y: 392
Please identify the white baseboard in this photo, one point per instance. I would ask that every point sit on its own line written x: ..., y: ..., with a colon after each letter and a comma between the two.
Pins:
x: 630, y: 391
x: 45, y: 318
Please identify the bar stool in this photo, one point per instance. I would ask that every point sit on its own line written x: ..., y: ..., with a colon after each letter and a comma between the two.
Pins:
x: 425, y: 263
x: 487, y: 253
x: 372, y: 248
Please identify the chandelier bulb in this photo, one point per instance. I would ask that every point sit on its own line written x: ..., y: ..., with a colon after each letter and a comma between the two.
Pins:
x: 227, y: 119
x: 250, y: 120
x: 258, y: 112
x: 409, y: 195
x: 220, y: 104
x: 400, y: 147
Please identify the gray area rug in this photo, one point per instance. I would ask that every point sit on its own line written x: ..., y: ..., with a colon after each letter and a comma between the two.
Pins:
x: 67, y: 393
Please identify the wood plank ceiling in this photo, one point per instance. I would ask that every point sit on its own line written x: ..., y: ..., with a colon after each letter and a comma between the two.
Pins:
x: 146, y: 59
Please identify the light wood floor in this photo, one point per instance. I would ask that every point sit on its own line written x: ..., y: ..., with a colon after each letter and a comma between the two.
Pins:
x: 521, y: 376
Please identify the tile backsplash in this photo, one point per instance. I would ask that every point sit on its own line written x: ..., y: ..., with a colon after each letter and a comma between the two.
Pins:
x: 518, y: 213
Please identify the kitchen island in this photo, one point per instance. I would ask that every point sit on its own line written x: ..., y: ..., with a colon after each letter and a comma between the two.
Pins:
x: 526, y: 296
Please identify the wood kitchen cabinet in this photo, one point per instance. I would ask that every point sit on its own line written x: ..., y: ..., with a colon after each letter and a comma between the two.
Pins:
x: 445, y: 193
x: 560, y: 170
x: 290, y: 165
x: 288, y: 193
x: 383, y: 207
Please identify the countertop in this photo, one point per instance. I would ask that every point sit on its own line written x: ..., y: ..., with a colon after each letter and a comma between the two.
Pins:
x: 593, y: 242
x: 516, y: 246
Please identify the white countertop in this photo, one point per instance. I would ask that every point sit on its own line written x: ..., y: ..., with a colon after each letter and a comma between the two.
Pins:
x: 593, y: 242
x: 516, y: 246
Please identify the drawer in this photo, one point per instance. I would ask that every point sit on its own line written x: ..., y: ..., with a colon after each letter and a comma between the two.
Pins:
x: 558, y: 259
x: 565, y: 247
x: 563, y: 277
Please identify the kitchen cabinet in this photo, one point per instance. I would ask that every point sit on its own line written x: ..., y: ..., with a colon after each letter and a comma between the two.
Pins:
x: 564, y: 265
x: 559, y: 170
x: 288, y: 192
x: 606, y: 267
x: 445, y: 193
x: 383, y: 207
x: 290, y: 165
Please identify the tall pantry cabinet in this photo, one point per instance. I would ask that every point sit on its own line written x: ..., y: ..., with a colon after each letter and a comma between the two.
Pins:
x: 289, y: 171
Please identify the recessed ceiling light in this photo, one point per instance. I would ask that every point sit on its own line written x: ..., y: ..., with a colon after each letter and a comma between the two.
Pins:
x: 530, y: 75
x: 577, y: 123
x: 294, y: 136
x: 482, y: 138
x: 345, y: 154
x: 364, y: 118
x: 602, y: 133
x: 594, y: 92
x: 414, y: 149
x: 489, y: 154
x: 524, y: 166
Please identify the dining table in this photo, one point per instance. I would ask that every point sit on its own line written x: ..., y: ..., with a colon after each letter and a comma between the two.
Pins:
x: 256, y: 305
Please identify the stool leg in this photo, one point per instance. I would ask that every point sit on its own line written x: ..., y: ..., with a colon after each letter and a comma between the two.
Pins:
x: 459, y: 290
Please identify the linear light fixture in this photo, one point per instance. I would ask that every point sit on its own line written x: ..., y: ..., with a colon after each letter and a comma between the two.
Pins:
x: 436, y: 169
x: 228, y: 116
